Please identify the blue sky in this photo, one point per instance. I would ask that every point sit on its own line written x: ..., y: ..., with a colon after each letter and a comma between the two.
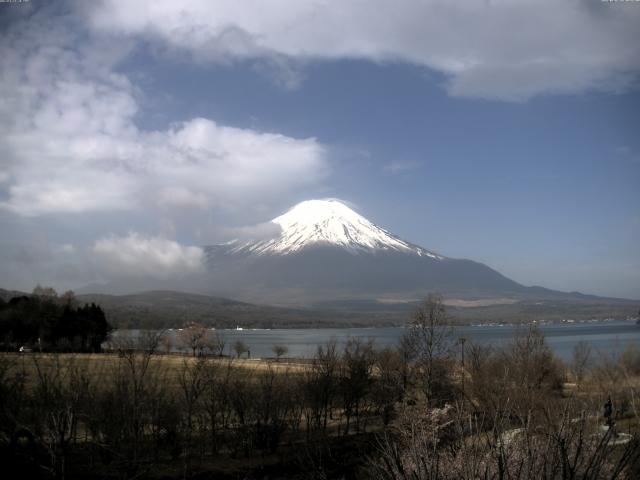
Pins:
x: 134, y: 136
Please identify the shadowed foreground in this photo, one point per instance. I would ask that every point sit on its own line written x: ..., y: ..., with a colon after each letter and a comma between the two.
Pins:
x: 409, y: 412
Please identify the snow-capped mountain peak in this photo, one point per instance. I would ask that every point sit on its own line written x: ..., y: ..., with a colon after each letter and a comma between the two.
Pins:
x: 329, y: 222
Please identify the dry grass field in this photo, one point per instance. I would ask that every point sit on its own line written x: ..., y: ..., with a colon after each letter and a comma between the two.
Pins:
x: 97, y: 367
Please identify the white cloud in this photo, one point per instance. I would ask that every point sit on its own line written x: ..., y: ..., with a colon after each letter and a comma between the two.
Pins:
x: 136, y: 255
x: 260, y: 231
x: 71, y: 143
x: 507, y: 50
x: 214, y: 156
x: 66, y: 248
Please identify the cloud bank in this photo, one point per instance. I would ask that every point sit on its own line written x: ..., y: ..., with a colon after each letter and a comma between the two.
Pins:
x: 506, y: 50
x: 136, y: 255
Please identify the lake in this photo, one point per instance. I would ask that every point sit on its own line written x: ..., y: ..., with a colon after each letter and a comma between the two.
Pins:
x: 605, y: 337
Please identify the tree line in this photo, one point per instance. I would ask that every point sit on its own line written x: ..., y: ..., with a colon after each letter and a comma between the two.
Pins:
x: 45, y: 321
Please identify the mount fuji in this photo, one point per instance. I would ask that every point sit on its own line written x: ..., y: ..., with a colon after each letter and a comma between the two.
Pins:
x: 336, y: 268
x: 325, y: 251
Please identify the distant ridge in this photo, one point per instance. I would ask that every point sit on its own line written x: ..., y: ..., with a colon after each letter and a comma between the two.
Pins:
x: 159, y: 309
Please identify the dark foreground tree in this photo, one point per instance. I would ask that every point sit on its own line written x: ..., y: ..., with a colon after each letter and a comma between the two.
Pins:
x: 44, y: 321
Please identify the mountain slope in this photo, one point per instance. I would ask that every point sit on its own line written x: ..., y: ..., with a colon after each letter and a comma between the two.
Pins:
x: 325, y: 250
x: 326, y: 254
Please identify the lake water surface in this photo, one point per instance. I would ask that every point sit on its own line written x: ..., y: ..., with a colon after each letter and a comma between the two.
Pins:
x: 605, y: 337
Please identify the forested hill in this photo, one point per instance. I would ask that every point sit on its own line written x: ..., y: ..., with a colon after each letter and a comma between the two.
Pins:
x: 165, y: 309
x: 171, y: 309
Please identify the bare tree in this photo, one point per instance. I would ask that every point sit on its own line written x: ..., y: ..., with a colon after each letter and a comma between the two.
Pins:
x: 60, y: 398
x: 520, y: 378
x: 273, y: 404
x: 530, y: 371
x: 136, y: 383
x: 240, y: 347
x: 325, y: 370
x: 429, y: 342
x: 149, y: 340
x: 388, y: 388
x: 242, y: 396
x: 68, y: 299
x: 195, y: 337
x: 216, y: 399
x: 357, y: 368
x: 580, y: 360
x: 192, y: 381
x: 280, y: 350
x: 217, y: 343
x: 45, y: 292
x: 448, y: 444
x: 167, y: 343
